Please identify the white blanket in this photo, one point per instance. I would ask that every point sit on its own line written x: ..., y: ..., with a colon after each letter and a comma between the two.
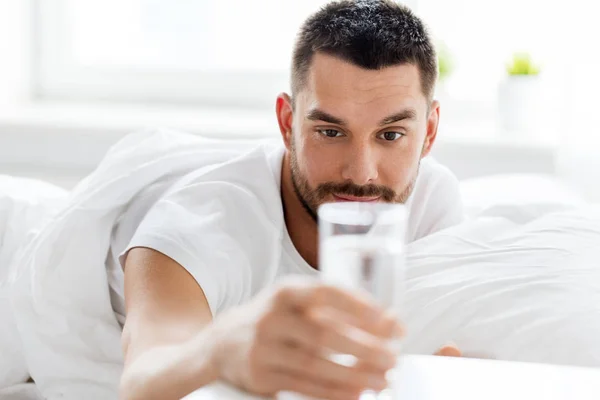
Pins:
x: 521, y: 291
x: 60, y: 294
x: 24, y: 205
x: 23, y: 391
x: 511, y: 290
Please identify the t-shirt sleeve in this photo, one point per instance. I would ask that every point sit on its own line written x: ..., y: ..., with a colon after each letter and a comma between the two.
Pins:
x: 200, y: 226
x: 437, y: 203
x: 448, y: 209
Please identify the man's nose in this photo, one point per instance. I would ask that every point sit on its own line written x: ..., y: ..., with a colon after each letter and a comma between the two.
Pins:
x: 360, y: 165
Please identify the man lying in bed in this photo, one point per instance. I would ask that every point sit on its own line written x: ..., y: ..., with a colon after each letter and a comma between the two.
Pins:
x: 356, y: 127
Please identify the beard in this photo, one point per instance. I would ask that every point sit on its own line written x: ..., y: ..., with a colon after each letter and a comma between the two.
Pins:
x: 311, y: 198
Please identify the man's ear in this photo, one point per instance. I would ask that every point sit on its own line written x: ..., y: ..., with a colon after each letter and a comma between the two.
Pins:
x: 433, y: 120
x: 285, y: 118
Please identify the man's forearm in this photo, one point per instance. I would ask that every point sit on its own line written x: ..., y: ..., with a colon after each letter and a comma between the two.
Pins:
x: 170, y: 372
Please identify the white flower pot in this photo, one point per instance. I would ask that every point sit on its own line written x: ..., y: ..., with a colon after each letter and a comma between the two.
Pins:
x: 519, y: 103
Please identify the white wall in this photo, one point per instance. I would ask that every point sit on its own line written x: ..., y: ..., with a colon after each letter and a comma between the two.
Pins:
x: 15, y: 54
x: 63, y: 142
x: 64, y: 150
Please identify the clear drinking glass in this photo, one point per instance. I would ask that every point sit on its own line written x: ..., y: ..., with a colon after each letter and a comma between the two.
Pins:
x: 361, y: 247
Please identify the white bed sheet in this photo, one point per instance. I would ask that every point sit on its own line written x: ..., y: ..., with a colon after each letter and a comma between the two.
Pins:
x: 496, y: 285
x: 22, y: 391
x: 511, y: 291
x: 24, y: 205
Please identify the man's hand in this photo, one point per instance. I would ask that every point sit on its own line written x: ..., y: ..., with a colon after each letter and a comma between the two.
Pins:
x: 281, y: 341
x: 449, y: 350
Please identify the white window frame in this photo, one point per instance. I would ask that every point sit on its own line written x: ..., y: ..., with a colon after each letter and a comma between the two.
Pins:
x: 58, y: 77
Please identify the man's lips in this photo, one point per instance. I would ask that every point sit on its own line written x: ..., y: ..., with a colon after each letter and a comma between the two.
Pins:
x: 339, y: 197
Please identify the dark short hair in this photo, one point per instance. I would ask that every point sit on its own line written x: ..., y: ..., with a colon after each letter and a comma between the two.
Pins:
x: 371, y: 34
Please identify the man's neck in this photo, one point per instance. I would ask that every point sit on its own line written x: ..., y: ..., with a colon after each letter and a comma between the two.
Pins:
x: 301, y: 226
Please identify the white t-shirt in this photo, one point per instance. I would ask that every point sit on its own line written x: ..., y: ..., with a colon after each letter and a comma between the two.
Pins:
x: 225, y: 225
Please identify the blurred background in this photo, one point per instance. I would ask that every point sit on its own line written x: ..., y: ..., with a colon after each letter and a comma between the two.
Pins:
x: 518, y: 80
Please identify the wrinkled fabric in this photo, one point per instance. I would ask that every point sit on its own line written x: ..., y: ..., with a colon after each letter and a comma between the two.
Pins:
x: 59, y: 287
x: 510, y: 289
x: 25, y: 205
x: 516, y: 289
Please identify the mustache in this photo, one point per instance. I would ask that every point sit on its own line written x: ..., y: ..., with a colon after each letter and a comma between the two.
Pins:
x: 351, y: 189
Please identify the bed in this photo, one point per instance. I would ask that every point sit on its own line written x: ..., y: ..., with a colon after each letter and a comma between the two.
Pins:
x: 521, y: 266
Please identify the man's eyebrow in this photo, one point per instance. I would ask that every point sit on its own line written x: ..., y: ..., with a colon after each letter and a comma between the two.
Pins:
x: 319, y: 115
x: 409, y: 113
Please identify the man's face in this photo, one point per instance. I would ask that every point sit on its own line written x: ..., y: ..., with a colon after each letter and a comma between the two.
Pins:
x: 359, y: 135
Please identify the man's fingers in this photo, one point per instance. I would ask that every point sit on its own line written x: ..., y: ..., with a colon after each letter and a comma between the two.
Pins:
x: 314, y: 366
x: 329, y: 335
x: 449, y: 350
x: 345, y: 338
x: 303, y: 295
x: 387, y: 326
x: 360, y: 309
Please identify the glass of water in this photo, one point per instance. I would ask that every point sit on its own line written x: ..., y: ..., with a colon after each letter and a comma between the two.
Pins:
x: 361, y: 247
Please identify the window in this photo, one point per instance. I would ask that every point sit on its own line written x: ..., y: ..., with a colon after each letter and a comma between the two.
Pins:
x: 237, y: 52
x: 481, y: 37
x: 232, y: 53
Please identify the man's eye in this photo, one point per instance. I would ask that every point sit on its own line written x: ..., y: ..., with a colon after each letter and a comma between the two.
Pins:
x: 331, y: 133
x: 391, y: 136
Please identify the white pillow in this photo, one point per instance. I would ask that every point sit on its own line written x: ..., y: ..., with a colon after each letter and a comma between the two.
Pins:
x: 24, y: 205
x: 515, y: 292
x: 519, y: 197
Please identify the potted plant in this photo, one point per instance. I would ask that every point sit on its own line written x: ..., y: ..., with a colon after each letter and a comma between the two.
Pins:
x: 518, y: 95
x: 445, y: 62
x: 445, y: 69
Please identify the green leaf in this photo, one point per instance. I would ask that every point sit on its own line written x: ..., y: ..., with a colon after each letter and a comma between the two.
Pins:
x: 522, y: 64
x: 445, y: 62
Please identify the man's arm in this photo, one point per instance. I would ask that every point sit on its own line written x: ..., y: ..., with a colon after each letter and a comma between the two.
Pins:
x: 275, y: 342
x: 164, y: 342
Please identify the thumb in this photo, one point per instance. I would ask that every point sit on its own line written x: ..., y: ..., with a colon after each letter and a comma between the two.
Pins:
x: 449, y: 350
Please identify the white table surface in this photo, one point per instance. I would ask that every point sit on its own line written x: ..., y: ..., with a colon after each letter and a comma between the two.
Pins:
x: 442, y: 378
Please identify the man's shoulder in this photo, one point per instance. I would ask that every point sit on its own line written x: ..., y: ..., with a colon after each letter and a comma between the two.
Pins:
x: 435, y: 176
x: 250, y: 171
x: 242, y: 186
x: 433, y: 167
x: 435, y: 203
